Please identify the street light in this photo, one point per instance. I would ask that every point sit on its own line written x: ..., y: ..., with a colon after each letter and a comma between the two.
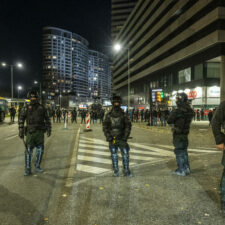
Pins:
x: 19, y: 88
x: 117, y: 47
x: 18, y: 65
x: 36, y: 82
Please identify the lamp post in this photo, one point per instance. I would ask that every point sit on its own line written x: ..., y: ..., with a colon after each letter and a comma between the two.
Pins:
x: 117, y: 48
x: 18, y: 65
x: 36, y: 82
x: 19, y: 88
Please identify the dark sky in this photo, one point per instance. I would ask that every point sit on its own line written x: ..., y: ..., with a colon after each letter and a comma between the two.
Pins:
x: 21, y: 24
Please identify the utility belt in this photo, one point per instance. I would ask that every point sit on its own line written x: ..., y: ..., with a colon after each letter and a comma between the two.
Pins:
x: 34, y: 129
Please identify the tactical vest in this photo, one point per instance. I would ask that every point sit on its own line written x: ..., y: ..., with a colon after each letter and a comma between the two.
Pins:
x: 35, y: 117
x: 117, y: 124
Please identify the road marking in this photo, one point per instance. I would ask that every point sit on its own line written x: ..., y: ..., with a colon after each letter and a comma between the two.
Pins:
x: 91, y: 169
x: 94, y: 159
x: 11, y: 137
x: 91, y: 146
x: 189, y: 149
x: 73, y: 161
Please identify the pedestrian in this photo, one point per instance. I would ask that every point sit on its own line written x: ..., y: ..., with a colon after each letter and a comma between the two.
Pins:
x: 198, y: 115
x: 202, y: 114
x: 155, y: 117
x: 12, y: 111
x: 83, y: 116
x: 58, y: 114
x: 181, y: 119
x: 117, y: 128
x: 163, y: 117
x: 142, y: 115
x: 210, y: 115
x: 102, y: 114
x: 74, y: 115
x: 217, y: 123
x: 37, y: 123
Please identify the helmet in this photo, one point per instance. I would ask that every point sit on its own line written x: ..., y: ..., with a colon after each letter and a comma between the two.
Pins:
x: 116, y: 98
x: 181, y: 98
x: 32, y: 94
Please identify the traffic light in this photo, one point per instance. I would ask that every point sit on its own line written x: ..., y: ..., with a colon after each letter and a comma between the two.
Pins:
x: 158, y: 96
x: 162, y: 94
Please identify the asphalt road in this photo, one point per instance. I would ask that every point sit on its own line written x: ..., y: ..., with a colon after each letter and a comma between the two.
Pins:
x: 78, y: 188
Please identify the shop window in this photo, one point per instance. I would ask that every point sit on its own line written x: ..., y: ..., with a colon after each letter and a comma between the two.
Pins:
x: 198, y: 72
x: 184, y: 75
x: 213, y: 70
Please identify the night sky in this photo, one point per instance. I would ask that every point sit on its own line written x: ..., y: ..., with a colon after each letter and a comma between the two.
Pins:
x: 21, y: 24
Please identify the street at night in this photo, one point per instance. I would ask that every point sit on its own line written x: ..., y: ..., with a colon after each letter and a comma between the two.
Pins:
x: 78, y: 187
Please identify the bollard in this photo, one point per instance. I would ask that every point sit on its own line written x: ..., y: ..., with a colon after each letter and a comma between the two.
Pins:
x: 88, y: 128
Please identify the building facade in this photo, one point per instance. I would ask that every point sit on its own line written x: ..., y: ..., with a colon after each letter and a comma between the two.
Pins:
x: 121, y: 9
x: 65, y: 63
x: 99, y: 75
x: 174, y: 46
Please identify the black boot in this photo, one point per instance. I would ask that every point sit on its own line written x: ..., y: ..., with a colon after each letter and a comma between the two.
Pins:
x: 28, y: 158
x: 39, y: 155
x: 180, y: 171
x: 125, y: 156
x: 114, y: 157
x: 186, y: 164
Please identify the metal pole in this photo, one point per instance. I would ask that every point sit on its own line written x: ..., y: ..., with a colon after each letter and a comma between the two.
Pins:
x: 128, y: 80
x: 11, y: 66
x: 222, y: 79
x: 40, y: 93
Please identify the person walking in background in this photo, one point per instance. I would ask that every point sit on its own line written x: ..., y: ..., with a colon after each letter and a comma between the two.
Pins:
x: 202, y: 114
x: 210, y: 115
x: 83, y: 116
x: 58, y: 114
x: 198, y: 115
x: 12, y: 111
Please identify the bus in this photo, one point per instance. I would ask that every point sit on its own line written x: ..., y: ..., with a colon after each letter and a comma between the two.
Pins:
x: 3, y: 108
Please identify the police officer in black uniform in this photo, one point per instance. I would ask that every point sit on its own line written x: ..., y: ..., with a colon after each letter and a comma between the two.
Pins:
x: 37, y: 123
x: 217, y: 122
x: 117, y: 127
x: 181, y: 119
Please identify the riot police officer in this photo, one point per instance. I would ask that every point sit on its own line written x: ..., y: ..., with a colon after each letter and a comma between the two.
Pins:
x: 217, y: 122
x: 37, y: 122
x: 181, y: 119
x: 117, y: 127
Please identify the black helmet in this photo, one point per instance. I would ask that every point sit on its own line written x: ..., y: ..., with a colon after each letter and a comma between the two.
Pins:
x: 116, y: 98
x: 32, y: 94
x: 181, y: 98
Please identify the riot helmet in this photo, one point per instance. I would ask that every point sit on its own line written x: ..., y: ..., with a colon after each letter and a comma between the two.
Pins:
x: 181, y: 98
x: 116, y: 101
x: 33, y: 96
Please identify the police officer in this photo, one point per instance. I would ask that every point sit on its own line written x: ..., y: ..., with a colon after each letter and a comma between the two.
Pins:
x: 74, y: 115
x: 181, y: 119
x: 217, y: 122
x: 117, y: 127
x: 37, y: 121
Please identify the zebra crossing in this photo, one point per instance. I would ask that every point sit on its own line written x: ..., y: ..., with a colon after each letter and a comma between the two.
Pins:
x: 94, y: 157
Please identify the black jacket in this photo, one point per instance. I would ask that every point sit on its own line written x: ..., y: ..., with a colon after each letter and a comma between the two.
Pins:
x: 36, y: 117
x: 116, y: 124
x: 217, y: 122
x: 181, y: 118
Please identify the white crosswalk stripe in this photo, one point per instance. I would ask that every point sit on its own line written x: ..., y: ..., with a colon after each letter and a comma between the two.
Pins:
x: 94, y: 156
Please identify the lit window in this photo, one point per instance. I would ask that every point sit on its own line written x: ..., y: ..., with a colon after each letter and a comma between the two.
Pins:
x: 54, y: 57
x: 54, y: 37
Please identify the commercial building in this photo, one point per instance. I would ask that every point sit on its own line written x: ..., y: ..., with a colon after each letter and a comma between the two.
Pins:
x: 174, y: 46
x: 99, y: 75
x: 65, y: 66
x: 121, y: 10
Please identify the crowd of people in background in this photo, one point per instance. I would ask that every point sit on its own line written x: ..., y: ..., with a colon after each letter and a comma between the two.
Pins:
x: 157, y: 117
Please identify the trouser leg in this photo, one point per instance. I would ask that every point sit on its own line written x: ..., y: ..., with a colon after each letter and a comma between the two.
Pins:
x: 114, y: 157
x: 125, y: 157
x: 28, y: 159
x: 39, y: 155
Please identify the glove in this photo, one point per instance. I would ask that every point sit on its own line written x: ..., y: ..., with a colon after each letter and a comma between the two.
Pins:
x: 21, y: 133
x: 48, y: 132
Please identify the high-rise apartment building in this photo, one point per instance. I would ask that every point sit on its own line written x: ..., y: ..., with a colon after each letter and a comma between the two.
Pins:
x: 99, y: 75
x: 65, y: 62
x: 121, y: 9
